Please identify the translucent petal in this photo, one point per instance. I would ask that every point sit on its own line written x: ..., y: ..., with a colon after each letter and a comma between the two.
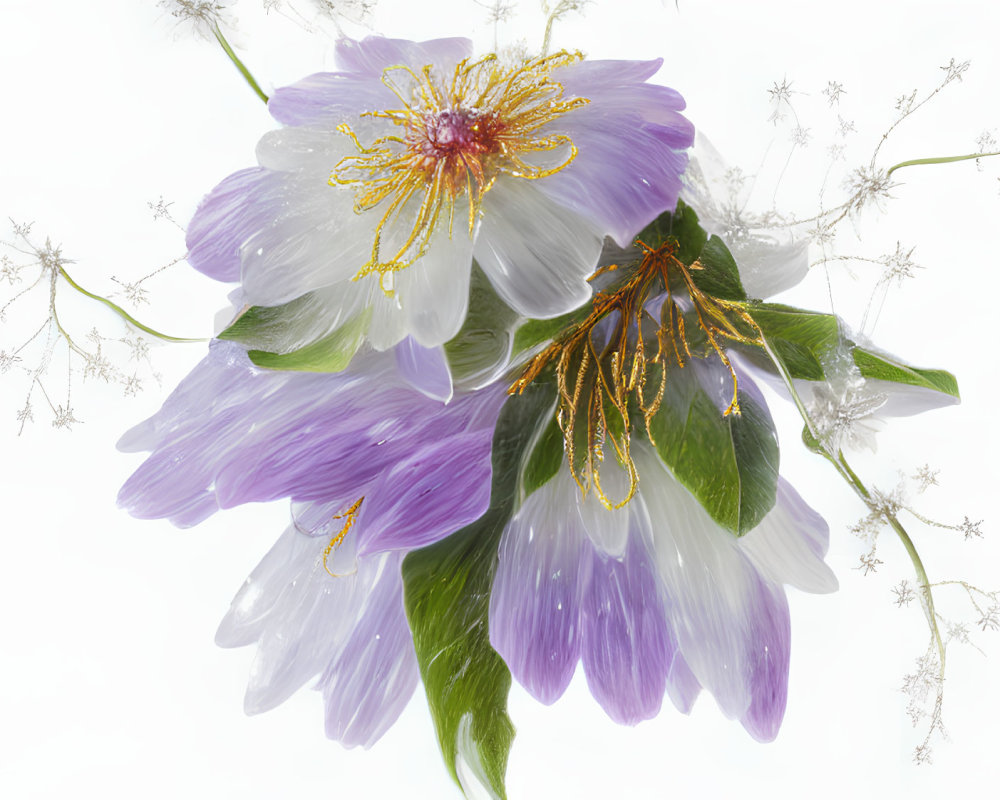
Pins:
x: 425, y: 368
x: 707, y: 582
x: 536, y: 603
x: 627, y: 646
x: 536, y: 253
x: 374, y: 676
x: 434, y: 292
x: 789, y: 544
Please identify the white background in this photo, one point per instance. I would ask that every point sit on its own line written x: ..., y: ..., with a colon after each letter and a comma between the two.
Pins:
x: 110, y: 684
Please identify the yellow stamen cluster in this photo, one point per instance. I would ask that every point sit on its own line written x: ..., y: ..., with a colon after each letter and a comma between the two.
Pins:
x: 596, y: 381
x: 350, y: 516
x: 455, y: 136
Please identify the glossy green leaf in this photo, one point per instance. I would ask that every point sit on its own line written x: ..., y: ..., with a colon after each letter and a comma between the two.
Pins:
x: 332, y: 353
x: 729, y: 463
x: 682, y: 225
x: 545, y: 456
x: 285, y: 328
x: 538, y: 331
x: 446, y: 590
x: 719, y: 276
x: 484, y: 343
x: 884, y: 368
x: 803, y: 339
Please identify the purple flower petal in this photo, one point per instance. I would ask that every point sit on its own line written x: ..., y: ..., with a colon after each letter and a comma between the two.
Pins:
x: 442, y: 488
x: 627, y: 647
x: 425, y: 368
x: 368, y: 686
x: 233, y: 434
x: 537, y: 600
x: 371, y: 55
x: 710, y: 588
x: 768, y: 649
x: 332, y: 97
x: 629, y: 140
x: 229, y: 215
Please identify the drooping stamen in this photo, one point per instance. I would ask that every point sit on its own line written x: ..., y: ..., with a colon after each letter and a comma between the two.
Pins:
x: 350, y: 516
x: 597, y: 383
x: 456, y: 138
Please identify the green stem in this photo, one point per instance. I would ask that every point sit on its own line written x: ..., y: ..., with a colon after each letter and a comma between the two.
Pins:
x: 251, y: 81
x: 849, y: 475
x: 938, y: 160
x: 121, y: 312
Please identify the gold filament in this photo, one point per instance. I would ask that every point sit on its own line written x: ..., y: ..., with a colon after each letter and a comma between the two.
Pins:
x: 455, y: 136
x: 350, y: 517
x: 596, y: 382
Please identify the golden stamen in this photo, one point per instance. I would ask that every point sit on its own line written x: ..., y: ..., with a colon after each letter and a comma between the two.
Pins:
x: 458, y: 137
x: 350, y: 517
x: 598, y: 384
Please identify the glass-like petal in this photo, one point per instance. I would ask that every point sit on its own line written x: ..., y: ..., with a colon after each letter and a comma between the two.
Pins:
x: 229, y: 215
x: 708, y: 584
x: 369, y: 684
x: 789, y: 544
x: 536, y: 604
x: 771, y: 259
x: 627, y: 647
x: 314, y: 239
x: 434, y: 292
x: 536, y: 254
x: 307, y: 625
x: 425, y: 369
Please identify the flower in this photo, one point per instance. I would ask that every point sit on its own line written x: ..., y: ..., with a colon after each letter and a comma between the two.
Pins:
x: 389, y: 177
x: 374, y: 468
x: 654, y: 597
x: 773, y: 255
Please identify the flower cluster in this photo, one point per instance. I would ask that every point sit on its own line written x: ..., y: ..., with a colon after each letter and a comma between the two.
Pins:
x: 508, y: 382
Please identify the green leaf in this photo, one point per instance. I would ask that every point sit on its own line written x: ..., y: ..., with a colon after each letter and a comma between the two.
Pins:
x: 483, y: 345
x: 682, y: 225
x: 446, y: 590
x: 730, y: 464
x: 545, y: 456
x: 538, y: 331
x: 720, y: 277
x: 803, y: 339
x: 284, y: 328
x: 332, y: 353
x: 884, y: 368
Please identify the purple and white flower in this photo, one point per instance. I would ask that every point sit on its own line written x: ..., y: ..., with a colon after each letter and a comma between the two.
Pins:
x: 374, y: 469
x: 654, y: 597
x: 389, y: 177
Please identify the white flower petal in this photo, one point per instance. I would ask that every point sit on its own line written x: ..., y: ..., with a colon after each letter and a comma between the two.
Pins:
x: 434, y: 292
x: 536, y: 253
x: 315, y: 151
x: 318, y: 242
x: 789, y: 544
x: 706, y: 580
x: 608, y: 530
